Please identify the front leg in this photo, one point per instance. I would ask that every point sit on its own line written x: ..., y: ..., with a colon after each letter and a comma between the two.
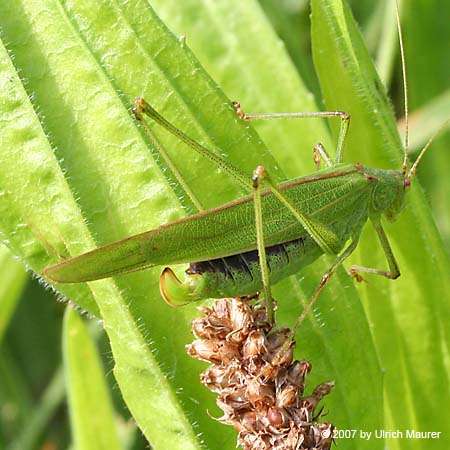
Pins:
x: 393, y: 271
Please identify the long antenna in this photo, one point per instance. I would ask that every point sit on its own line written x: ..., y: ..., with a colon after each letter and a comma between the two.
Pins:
x: 405, y: 89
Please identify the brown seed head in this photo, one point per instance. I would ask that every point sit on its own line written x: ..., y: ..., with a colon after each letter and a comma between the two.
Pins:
x: 259, y: 388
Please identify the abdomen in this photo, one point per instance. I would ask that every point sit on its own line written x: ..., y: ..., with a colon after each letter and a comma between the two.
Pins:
x: 240, y: 274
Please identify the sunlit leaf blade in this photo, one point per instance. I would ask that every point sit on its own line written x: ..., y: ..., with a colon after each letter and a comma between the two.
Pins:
x: 32, y: 184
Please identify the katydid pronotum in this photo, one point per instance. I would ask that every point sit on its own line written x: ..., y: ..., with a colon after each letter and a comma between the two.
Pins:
x: 296, y: 222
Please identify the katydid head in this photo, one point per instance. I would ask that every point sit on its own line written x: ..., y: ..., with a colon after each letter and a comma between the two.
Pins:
x: 397, y: 195
x: 388, y: 195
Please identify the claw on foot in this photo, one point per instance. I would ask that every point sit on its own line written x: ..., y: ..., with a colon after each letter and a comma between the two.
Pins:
x: 354, y: 274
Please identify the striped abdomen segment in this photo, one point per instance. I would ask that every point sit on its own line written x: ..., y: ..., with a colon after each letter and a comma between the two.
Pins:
x: 239, y: 275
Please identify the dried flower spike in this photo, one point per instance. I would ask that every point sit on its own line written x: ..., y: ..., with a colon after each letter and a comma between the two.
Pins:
x: 264, y: 402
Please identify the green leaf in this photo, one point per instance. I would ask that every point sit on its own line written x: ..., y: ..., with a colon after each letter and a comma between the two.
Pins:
x: 36, y: 206
x: 91, y: 412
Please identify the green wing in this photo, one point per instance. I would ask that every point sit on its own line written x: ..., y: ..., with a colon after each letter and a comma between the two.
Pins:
x: 329, y: 197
